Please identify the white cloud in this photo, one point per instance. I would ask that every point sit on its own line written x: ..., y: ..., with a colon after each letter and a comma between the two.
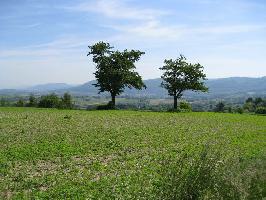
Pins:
x: 153, y: 30
x: 59, y: 47
x: 147, y: 24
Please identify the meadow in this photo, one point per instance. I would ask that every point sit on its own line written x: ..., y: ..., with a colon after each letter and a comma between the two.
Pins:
x: 60, y: 154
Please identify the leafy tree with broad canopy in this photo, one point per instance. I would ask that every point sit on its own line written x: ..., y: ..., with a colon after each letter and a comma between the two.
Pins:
x: 115, y: 69
x: 179, y: 76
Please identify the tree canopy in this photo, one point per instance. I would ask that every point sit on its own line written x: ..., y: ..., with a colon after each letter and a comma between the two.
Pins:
x: 115, y: 69
x: 179, y: 76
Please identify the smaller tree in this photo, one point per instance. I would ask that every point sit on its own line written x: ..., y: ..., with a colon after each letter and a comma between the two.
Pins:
x: 179, y: 76
x: 32, y: 101
x: 219, y: 107
x: 249, y: 106
x: 3, y: 102
x: 239, y: 110
x: 20, y: 103
x: 261, y: 110
x: 49, y: 101
x: 67, y: 101
x: 249, y: 100
x: 258, y: 101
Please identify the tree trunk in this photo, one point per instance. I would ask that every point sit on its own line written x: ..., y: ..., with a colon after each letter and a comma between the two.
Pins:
x: 175, y: 102
x: 113, y: 101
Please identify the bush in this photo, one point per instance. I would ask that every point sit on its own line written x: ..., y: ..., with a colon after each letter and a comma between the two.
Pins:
x: 185, y: 106
x: 49, y: 101
x: 239, y: 110
x: 261, y: 110
x: 108, y: 106
x: 174, y: 110
x: 3, y: 102
x: 32, y: 101
x: 66, y: 102
x: 249, y: 107
x: 20, y: 103
x: 219, y: 107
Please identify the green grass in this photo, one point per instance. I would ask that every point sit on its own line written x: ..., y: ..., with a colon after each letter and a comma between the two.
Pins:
x: 59, y: 154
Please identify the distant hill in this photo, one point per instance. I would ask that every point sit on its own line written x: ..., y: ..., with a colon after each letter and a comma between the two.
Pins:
x: 237, y: 84
x: 49, y: 87
x: 218, y: 88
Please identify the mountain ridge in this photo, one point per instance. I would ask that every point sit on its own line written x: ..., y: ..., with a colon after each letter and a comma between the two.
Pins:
x: 217, y: 87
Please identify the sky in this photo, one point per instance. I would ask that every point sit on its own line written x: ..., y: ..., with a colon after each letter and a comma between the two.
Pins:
x: 46, y: 41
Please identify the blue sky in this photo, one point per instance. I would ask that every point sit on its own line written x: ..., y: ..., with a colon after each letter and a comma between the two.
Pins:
x: 43, y: 41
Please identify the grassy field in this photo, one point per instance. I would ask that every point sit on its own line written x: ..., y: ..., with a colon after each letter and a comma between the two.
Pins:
x: 57, y: 154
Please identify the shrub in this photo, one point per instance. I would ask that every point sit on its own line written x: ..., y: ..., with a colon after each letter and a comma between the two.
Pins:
x: 66, y: 101
x: 250, y: 107
x: 20, y: 103
x: 219, y: 107
x: 49, y: 101
x: 108, y: 106
x: 32, y: 101
x: 3, y: 102
x: 185, y: 106
x: 174, y: 110
x: 239, y: 110
x: 261, y: 110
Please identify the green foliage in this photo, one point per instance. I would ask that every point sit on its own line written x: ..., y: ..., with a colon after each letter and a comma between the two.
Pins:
x: 49, y: 101
x: 249, y: 106
x: 32, y: 101
x: 179, y: 76
x: 20, y: 103
x: 66, y: 101
x: 185, y: 106
x: 230, y: 110
x: 3, y: 102
x: 220, y: 107
x: 260, y: 110
x: 53, y: 101
x: 258, y: 101
x: 177, y: 110
x: 108, y: 106
x: 258, y: 105
x: 249, y: 100
x: 115, y: 69
x: 239, y: 110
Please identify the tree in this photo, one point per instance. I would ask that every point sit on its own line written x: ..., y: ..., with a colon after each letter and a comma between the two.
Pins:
x: 3, y: 102
x: 20, y: 103
x: 261, y: 110
x: 179, y: 76
x: 32, y: 101
x: 220, y: 107
x: 249, y: 106
x: 49, y: 101
x: 67, y: 101
x: 115, y: 69
x: 249, y: 100
x: 239, y: 110
x: 258, y: 101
